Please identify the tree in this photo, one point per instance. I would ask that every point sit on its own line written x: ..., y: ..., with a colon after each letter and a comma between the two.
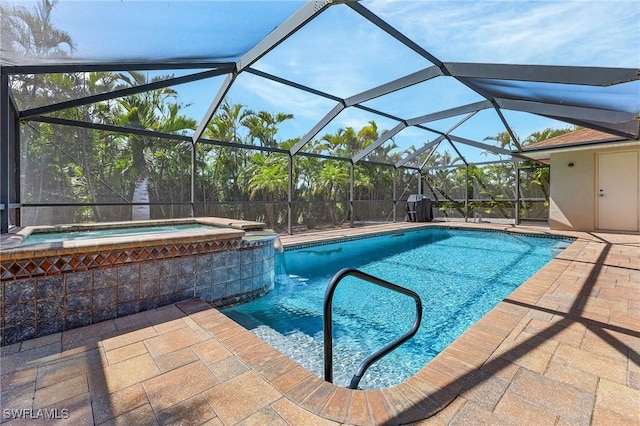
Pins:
x: 545, y: 134
x: 30, y: 33
x: 229, y: 165
x: 152, y: 110
x: 503, y: 138
x: 445, y: 181
x: 540, y: 175
x: 263, y: 126
x: 269, y: 181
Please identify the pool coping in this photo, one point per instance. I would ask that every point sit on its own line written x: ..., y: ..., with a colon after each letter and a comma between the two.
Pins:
x: 552, y: 318
x: 11, y: 244
x: 490, y: 347
x: 440, y: 381
x: 467, y: 362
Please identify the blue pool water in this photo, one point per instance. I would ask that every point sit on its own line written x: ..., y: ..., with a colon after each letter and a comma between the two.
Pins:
x: 87, y: 234
x: 460, y: 275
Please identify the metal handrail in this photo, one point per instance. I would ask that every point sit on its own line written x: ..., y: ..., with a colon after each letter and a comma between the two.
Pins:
x: 328, y: 325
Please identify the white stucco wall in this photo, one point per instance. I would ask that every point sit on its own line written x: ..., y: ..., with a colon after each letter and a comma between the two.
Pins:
x: 572, y: 198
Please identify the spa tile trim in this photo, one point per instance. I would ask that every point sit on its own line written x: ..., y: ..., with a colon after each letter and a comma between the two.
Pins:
x: 67, y: 263
x: 46, y: 295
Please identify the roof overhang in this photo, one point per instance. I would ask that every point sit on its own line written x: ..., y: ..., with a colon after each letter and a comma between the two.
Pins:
x: 543, y: 154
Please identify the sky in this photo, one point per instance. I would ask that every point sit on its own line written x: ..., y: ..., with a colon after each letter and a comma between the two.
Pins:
x: 342, y: 54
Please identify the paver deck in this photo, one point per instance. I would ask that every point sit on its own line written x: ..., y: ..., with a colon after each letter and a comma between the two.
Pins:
x: 564, y: 348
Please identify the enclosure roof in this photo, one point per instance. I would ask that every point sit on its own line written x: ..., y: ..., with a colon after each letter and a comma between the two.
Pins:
x: 183, y: 33
x: 403, y: 63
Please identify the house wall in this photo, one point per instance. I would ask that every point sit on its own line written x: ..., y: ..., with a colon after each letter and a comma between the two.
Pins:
x: 572, y: 198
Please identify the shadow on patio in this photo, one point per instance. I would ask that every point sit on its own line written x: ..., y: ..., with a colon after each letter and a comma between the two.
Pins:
x: 568, y: 358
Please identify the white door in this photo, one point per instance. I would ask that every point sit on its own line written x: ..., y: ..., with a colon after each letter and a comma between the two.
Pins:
x: 617, y: 191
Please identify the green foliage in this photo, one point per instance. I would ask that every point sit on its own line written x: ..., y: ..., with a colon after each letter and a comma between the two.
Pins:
x: 66, y: 164
x: 30, y: 33
x: 490, y: 188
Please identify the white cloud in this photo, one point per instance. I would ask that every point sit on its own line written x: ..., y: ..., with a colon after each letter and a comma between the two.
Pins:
x: 343, y: 54
x: 596, y: 33
x: 277, y: 97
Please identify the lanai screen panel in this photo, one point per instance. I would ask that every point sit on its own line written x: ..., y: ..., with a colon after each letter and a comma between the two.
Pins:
x: 114, y: 31
x: 611, y: 106
x: 356, y: 57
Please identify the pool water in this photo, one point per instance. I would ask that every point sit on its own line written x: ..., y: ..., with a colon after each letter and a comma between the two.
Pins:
x: 88, y: 234
x: 460, y: 275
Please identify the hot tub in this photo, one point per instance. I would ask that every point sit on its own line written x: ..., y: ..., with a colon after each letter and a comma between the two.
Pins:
x: 56, y: 278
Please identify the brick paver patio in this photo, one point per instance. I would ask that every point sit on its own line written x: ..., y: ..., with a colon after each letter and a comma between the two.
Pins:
x: 564, y: 348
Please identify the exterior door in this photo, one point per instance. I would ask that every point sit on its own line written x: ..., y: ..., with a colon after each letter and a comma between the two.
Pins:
x: 617, y: 191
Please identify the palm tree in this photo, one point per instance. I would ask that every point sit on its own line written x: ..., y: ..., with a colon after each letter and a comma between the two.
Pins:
x: 545, y: 134
x: 269, y: 181
x: 493, y: 181
x: 369, y: 134
x: 227, y: 124
x: 444, y: 181
x: 263, y: 126
x: 504, y: 138
x: 229, y: 166
x: 339, y: 144
x: 30, y: 33
x: 504, y: 141
x: 540, y: 175
x: 152, y: 111
x: 333, y: 179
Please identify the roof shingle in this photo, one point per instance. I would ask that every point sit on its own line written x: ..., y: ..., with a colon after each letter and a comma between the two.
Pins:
x: 583, y: 135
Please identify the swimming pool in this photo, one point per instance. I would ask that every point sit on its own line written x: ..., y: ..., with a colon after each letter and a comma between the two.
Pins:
x: 460, y: 275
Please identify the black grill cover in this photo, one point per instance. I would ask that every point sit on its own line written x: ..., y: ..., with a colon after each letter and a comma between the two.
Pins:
x: 419, y: 208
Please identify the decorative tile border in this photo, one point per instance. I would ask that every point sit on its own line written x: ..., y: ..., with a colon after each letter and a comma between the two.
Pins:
x: 46, y: 295
x: 69, y: 263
